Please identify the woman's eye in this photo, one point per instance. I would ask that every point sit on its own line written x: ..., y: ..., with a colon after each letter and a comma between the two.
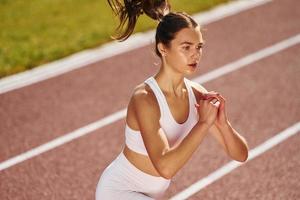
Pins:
x: 186, y: 47
x: 199, y: 47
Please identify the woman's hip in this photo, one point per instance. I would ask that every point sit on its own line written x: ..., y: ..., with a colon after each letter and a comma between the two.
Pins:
x: 122, y: 176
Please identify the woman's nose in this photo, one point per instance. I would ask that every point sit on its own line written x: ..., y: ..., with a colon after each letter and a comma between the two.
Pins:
x: 197, y: 54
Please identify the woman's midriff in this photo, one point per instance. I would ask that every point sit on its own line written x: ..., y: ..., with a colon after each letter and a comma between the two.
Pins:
x: 140, y: 161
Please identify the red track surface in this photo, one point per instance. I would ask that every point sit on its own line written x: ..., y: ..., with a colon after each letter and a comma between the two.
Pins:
x: 262, y: 100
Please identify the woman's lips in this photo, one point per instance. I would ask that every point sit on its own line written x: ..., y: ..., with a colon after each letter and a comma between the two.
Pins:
x: 194, y: 65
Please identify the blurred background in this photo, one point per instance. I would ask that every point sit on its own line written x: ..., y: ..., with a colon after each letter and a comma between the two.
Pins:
x: 39, y: 31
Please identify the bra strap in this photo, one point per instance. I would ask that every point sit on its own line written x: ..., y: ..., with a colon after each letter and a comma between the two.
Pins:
x: 158, y: 94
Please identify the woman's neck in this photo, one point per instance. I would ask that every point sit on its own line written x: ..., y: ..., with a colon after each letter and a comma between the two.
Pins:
x: 171, y: 82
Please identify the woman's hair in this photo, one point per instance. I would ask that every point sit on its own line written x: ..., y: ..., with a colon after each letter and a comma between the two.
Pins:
x: 169, y: 22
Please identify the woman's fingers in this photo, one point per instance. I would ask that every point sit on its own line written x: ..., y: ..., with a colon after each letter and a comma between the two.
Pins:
x: 214, y: 98
x: 206, y: 96
x: 211, y: 97
x: 216, y: 104
x: 221, y: 97
x: 222, y: 101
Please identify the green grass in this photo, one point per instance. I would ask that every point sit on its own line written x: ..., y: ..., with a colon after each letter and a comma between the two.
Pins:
x: 39, y: 31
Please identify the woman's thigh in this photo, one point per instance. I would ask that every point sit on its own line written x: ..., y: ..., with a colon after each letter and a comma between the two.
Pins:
x: 121, y: 180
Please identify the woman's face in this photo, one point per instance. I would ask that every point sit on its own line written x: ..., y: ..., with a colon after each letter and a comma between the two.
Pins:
x: 185, y: 51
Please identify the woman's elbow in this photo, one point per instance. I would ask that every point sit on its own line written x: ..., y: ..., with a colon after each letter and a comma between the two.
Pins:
x: 165, y: 171
x: 243, y: 156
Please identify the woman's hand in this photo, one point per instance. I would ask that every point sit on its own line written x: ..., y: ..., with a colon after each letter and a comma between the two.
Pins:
x: 222, y: 119
x: 207, y: 109
x: 213, y: 109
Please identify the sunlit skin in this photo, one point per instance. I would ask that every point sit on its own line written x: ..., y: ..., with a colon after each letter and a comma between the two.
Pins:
x: 185, y: 49
x: 180, y: 59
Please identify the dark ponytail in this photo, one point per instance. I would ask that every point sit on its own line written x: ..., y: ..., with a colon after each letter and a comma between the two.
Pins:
x: 130, y: 10
x: 169, y: 22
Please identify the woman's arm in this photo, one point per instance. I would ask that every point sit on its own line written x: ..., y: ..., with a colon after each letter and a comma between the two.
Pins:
x: 236, y: 144
x: 231, y: 141
x: 166, y: 160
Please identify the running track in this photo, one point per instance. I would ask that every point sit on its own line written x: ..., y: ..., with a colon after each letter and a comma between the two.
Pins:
x: 262, y: 101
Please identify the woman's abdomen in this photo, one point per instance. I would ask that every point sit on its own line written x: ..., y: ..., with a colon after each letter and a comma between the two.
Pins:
x: 140, y: 161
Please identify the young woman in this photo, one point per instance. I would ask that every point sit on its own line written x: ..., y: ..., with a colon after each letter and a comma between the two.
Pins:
x: 168, y: 115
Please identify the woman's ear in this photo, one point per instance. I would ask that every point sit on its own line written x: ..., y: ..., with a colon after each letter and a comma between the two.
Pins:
x: 162, y: 49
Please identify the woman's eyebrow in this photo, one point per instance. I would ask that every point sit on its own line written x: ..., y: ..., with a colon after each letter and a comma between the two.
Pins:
x: 186, y: 42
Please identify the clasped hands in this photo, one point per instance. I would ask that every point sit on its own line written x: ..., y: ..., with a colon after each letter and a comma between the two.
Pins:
x: 211, y: 109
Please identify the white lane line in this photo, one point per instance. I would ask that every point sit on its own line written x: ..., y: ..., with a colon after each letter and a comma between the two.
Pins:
x: 122, y: 113
x: 251, y: 58
x: 138, y: 40
x: 270, y: 143
x: 63, y: 139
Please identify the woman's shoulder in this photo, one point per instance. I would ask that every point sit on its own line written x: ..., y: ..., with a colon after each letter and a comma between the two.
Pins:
x: 143, y: 94
x: 143, y: 100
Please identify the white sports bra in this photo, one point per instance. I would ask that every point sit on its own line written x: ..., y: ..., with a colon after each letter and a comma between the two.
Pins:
x: 174, y: 131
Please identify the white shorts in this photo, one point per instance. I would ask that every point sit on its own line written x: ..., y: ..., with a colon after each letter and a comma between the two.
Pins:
x: 122, y: 180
